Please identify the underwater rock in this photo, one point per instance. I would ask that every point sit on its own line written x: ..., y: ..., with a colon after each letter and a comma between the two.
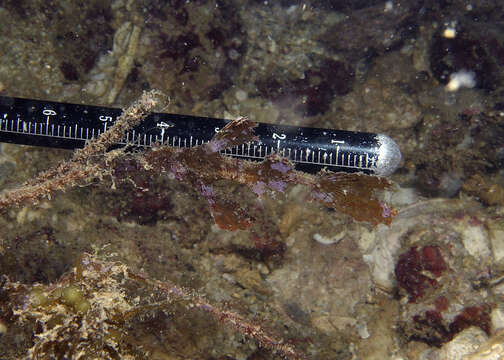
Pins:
x: 443, y: 272
x: 463, y: 344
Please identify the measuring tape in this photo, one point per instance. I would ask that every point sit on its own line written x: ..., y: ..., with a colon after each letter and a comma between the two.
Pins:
x: 69, y: 126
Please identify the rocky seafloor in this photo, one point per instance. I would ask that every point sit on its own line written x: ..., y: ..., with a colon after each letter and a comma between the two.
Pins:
x: 429, y: 286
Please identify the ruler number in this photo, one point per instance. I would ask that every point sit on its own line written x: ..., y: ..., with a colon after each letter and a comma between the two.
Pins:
x: 163, y: 125
x: 105, y: 118
x: 48, y: 112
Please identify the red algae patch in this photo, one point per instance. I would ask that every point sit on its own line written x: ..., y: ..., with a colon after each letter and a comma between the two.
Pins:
x: 411, y: 270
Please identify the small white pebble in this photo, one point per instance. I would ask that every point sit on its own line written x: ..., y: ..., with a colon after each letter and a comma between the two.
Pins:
x: 497, y: 318
x: 363, y: 330
x: 449, y: 33
x: 450, y: 30
x: 329, y: 240
x: 460, y: 79
x: 241, y: 95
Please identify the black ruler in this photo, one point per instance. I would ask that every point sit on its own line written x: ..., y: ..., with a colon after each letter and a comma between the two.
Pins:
x: 69, y: 126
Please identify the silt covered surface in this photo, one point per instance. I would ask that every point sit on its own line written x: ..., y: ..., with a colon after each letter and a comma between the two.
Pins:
x: 426, y: 286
